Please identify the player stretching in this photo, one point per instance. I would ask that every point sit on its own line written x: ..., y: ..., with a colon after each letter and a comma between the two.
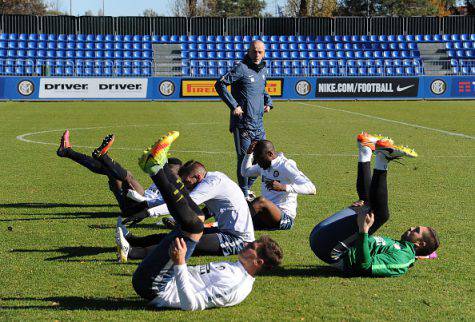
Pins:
x: 163, y: 276
x: 223, y: 199
x: 344, y: 240
x: 281, y: 182
x: 121, y: 181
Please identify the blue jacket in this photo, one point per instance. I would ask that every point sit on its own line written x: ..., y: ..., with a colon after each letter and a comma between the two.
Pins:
x: 248, y: 90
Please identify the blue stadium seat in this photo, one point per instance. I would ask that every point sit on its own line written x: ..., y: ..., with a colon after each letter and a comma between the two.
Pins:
x: 410, y: 38
x: 219, y: 39
x: 42, y: 37
x: 419, y: 38
x: 389, y: 71
x: 12, y: 45
x: 23, y: 37
x: 428, y: 38
x: 127, y: 38
x: 372, y: 71
x: 3, y: 54
x: 472, y: 37
x: 41, y: 53
x: 399, y: 71
x: 455, y: 37
x: 13, y: 37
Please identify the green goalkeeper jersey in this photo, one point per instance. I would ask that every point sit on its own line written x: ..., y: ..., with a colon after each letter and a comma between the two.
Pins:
x: 379, y: 256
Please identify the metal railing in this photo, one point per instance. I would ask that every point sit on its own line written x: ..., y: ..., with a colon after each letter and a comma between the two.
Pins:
x: 215, y: 68
x: 237, y: 25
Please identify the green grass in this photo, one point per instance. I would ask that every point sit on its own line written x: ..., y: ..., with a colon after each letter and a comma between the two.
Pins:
x: 57, y: 262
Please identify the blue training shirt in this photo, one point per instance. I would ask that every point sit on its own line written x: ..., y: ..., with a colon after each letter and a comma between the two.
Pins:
x: 248, y: 90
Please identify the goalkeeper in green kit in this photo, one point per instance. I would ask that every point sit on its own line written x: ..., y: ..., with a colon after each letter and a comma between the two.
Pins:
x: 345, y: 241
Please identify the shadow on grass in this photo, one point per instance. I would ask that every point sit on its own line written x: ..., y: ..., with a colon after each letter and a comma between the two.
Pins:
x: 70, y: 252
x: 78, y: 303
x: 65, y: 215
x: 305, y: 271
x: 140, y: 225
x: 51, y: 205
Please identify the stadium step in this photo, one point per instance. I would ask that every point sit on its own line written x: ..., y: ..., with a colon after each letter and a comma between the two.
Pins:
x: 167, y: 59
x: 435, y: 59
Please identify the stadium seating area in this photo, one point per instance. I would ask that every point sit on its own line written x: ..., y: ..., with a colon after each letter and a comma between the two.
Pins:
x: 210, y: 56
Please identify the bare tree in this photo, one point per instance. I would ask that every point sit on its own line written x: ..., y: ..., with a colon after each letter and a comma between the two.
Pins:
x: 150, y: 13
x: 89, y: 13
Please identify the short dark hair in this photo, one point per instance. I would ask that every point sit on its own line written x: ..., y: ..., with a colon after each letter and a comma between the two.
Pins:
x: 189, y: 167
x: 270, y: 252
x: 264, y: 146
x: 431, y: 243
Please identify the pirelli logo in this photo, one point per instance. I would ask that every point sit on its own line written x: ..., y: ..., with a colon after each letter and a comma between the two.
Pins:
x: 205, y: 87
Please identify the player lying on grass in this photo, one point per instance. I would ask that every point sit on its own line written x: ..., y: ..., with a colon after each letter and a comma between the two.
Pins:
x: 345, y: 240
x: 121, y: 181
x: 163, y: 277
x: 223, y: 199
x: 281, y: 182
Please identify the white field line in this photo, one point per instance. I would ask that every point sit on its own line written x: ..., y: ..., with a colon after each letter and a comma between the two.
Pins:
x: 24, y: 138
x: 390, y: 121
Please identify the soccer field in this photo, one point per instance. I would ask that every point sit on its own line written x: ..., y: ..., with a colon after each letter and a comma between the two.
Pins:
x: 57, y: 219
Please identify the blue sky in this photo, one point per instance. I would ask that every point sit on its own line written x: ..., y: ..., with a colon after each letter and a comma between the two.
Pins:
x: 129, y: 7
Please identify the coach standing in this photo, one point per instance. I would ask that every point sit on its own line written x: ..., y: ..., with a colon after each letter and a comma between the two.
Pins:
x: 248, y: 101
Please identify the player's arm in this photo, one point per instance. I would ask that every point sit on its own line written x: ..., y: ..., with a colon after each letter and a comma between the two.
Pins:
x: 247, y: 168
x: 267, y: 99
x: 363, y: 258
x: 231, y: 77
x: 394, y: 263
x: 299, y: 182
x: 190, y: 300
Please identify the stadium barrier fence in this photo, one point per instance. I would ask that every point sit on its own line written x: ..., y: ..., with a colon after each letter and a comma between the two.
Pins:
x: 288, y: 88
x: 237, y: 25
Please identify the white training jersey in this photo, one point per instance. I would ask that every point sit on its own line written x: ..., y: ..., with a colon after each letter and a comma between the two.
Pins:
x: 225, y: 200
x: 200, y: 287
x: 286, y: 172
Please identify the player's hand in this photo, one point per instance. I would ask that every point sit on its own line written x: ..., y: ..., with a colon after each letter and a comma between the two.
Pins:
x: 251, y: 147
x: 358, y: 203
x: 275, y: 185
x: 365, y: 221
x: 238, y: 111
x: 178, y: 251
x: 267, y: 108
x: 136, y: 218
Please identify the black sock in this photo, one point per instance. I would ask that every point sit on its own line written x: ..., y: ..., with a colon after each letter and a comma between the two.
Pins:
x: 379, y: 198
x: 178, y: 204
x: 86, y: 161
x: 115, y: 169
x: 363, y: 180
x: 181, y: 187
